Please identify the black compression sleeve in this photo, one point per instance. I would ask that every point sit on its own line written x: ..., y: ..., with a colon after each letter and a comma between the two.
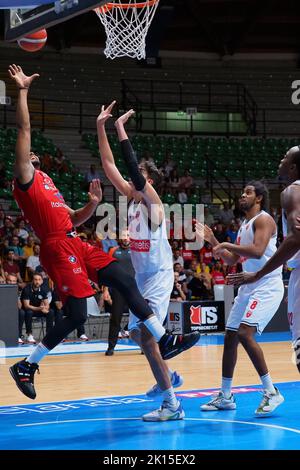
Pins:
x: 129, y: 156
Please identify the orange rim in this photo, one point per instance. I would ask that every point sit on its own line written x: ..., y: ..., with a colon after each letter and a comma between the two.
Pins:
x: 125, y: 6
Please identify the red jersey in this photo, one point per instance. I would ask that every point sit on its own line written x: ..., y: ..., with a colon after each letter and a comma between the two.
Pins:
x: 43, y: 205
x: 218, y: 277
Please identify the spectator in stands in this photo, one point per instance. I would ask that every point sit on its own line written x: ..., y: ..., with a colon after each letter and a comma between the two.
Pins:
x: 16, y: 248
x: 60, y: 162
x: 109, y: 242
x: 208, y: 217
x: 35, y: 303
x: 206, y: 254
x: 177, y: 257
x: 10, y: 266
x: 7, y: 229
x: 219, y: 233
x: 177, y: 293
x: 226, y: 215
x: 217, y: 274
x: 178, y: 268
x: 12, y: 279
x: 22, y: 232
x: 2, y: 280
x: 33, y: 261
x: 167, y: 165
x: 173, y: 181
x: 92, y: 174
x: 197, y: 285
x: 28, y: 247
x: 232, y: 233
x: 186, y: 182
x: 182, y: 196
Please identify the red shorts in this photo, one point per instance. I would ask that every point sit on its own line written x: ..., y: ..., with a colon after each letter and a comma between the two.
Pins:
x: 70, y: 263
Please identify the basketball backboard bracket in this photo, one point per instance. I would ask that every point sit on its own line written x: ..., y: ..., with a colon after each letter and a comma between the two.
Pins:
x: 22, y: 21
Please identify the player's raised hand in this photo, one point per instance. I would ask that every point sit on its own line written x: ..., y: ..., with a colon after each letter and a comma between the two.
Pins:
x: 204, y: 232
x: 124, y: 118
x: 95, y: 192
x: 105, y: 113
x: 21, y: 80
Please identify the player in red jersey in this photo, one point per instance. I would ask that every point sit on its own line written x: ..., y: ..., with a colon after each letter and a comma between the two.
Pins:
x: 69, y: 261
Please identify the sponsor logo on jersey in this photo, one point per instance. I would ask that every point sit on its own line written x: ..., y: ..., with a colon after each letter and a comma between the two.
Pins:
x: 142, y: 246
x: 59, y: 196
x: 72, y: 259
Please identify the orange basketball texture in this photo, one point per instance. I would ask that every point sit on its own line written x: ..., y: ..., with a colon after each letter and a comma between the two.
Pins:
x: 33, y: 42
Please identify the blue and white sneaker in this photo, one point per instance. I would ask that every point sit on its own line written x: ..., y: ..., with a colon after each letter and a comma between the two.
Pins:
x: 176, y: 381
x: 219, y: 402
x: 164, y: 413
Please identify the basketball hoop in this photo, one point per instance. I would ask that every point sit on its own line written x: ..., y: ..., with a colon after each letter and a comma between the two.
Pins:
x: 126, y: 26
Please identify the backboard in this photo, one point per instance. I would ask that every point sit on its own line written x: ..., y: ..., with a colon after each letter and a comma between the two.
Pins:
x: 26, y: 17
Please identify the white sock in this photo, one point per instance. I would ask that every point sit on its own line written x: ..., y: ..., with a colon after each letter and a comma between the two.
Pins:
x: 267, y: 383
x: 170, y: 398
x: 155, y: 328
x: 226, y: 386
x: 37, y: 354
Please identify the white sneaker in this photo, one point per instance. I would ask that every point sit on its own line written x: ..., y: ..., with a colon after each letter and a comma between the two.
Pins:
x: 219, y: 402
x: 30, y: 339
x: 164, y: 413
x: 83, y: 338
x: 176, y: 381
x: 20, y: 341
x: 269, y: 403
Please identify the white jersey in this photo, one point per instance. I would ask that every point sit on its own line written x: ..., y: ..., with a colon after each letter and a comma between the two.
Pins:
x: 150, y: 250
x: 246, y: 237
x: 294, y: 262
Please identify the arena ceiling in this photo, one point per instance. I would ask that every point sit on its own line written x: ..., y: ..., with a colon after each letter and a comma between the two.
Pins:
x: 218, y: 26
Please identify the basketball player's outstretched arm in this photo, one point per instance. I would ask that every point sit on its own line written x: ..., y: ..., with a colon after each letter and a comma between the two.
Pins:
x: 24, y: 169
x: 107, y: 158
x: 287, y: 249
x: 149, y: 195
x: 265, y: 227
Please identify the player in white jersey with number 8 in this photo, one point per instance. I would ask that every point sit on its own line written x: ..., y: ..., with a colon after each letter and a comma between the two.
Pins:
x: 256, y: 304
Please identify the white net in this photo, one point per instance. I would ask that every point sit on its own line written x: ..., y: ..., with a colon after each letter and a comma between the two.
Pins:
x: 126, y: 26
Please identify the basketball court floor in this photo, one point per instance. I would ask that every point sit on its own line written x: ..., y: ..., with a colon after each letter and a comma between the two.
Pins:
x: 87, y: 401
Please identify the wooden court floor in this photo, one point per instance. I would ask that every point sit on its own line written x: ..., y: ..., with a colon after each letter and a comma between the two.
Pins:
x: 76, y: 376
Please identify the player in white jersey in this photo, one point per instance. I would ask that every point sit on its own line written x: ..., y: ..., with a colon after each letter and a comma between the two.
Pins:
x: 289, y: 249
x: 254, y: 305
x: 151, y: 257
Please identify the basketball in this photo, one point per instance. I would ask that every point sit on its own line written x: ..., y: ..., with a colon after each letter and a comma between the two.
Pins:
x: 33, y: 42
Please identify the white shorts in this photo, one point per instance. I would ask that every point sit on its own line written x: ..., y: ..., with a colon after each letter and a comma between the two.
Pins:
x: 294, y: 304
x: 156, y: 289
x: 256, y: 304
